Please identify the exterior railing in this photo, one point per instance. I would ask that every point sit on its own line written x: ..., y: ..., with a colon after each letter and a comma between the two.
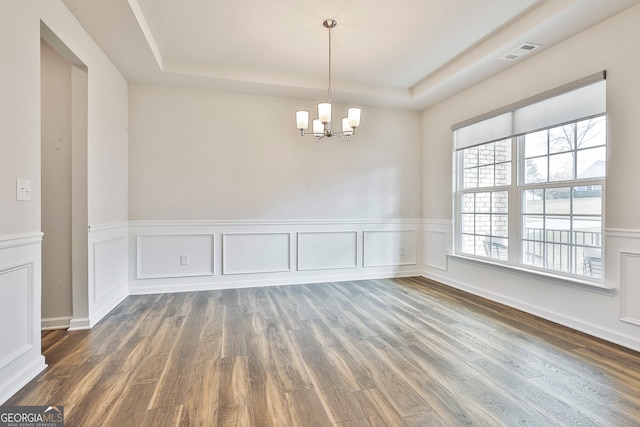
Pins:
x: 552, y: 249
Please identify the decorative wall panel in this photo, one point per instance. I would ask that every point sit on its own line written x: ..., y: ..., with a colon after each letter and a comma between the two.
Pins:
x: 630, y: 287
x: 231, y: 254
x: 389, y: 248
x: 256, y: 253
x: 179, y: 255
x: 327, y: 250
x: 435, y: 249
x: 15, y: 312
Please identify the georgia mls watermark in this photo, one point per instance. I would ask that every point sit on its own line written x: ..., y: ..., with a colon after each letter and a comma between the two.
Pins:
x: 31, y: 416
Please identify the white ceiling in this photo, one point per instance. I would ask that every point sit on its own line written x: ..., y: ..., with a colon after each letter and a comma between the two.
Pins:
x: 401, y: 53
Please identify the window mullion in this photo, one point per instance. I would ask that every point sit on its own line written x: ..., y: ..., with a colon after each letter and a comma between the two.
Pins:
x: 515, y: 203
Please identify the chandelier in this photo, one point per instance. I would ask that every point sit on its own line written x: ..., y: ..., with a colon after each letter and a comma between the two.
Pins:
x: 322, y: 125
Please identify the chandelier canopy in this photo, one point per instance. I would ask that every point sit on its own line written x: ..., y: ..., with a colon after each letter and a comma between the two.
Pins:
x: 322, y: 125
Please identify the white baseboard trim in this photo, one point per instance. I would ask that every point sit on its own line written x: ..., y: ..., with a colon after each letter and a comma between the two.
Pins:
x: 101, y: 312
x: 208, y: 286
x: 79, y: 324
x: 52, y: 323
x: 570, y: 322
x: 12, y: 385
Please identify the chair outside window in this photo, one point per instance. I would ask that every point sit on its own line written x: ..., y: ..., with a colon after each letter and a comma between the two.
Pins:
x: 592, y: 262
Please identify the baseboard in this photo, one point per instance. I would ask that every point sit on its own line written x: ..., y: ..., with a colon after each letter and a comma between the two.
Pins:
x: 12, y: 385
x: 79, y: 324
x: 553, y: 316
x: 208, y: 286
x: 99, y: 313
x: 84, y: 323
x: 52, y: 323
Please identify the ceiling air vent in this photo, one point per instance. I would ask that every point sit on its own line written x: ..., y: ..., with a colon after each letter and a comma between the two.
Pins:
x: 520, y: 51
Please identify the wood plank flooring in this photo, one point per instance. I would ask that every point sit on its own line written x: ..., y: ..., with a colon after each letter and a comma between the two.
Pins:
x: 368, y: 353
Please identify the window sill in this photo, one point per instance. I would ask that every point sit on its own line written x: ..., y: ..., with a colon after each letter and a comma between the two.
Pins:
x: 597, y: 286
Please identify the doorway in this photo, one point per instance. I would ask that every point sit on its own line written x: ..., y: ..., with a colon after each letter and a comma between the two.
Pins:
x: 64, y: 91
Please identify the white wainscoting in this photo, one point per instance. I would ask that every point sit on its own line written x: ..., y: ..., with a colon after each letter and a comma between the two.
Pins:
x: 16, y: 288
x: 622, y: 265
x: 175, y: 255
x: 390, y: 248
x: 108, y: 272
x: 326, y: 250
x: 249, y: 253
x: 437, y: 243
x: 20, y: 306
x: 629, y: 288
x: 263, y: 253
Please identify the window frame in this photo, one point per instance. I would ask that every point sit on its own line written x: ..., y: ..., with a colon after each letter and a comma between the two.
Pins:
x: 478, y: 189
x: 516, y: 195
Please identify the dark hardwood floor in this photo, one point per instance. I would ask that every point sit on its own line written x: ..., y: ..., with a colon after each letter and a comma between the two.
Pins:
x: 368, y: 353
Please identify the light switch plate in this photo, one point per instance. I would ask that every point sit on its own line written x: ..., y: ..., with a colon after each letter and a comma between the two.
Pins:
x: 23, y: 189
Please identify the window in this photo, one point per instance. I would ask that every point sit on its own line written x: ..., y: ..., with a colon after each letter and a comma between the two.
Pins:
x: 535, y: 197
x: 484, y: 214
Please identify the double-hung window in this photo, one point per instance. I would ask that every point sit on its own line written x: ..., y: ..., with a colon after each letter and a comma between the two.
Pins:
x: 530, y: 178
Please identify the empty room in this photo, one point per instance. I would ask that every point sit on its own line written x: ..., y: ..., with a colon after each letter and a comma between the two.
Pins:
x: 419, y: 213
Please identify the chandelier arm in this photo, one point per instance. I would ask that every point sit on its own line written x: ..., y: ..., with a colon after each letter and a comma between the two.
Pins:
x: 321, y: 135
x: 344, y: 134
x: 328, y: 134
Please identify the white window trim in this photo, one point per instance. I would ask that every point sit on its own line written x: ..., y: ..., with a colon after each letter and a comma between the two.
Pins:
x: 548, y: 275
x: 517, y: 187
